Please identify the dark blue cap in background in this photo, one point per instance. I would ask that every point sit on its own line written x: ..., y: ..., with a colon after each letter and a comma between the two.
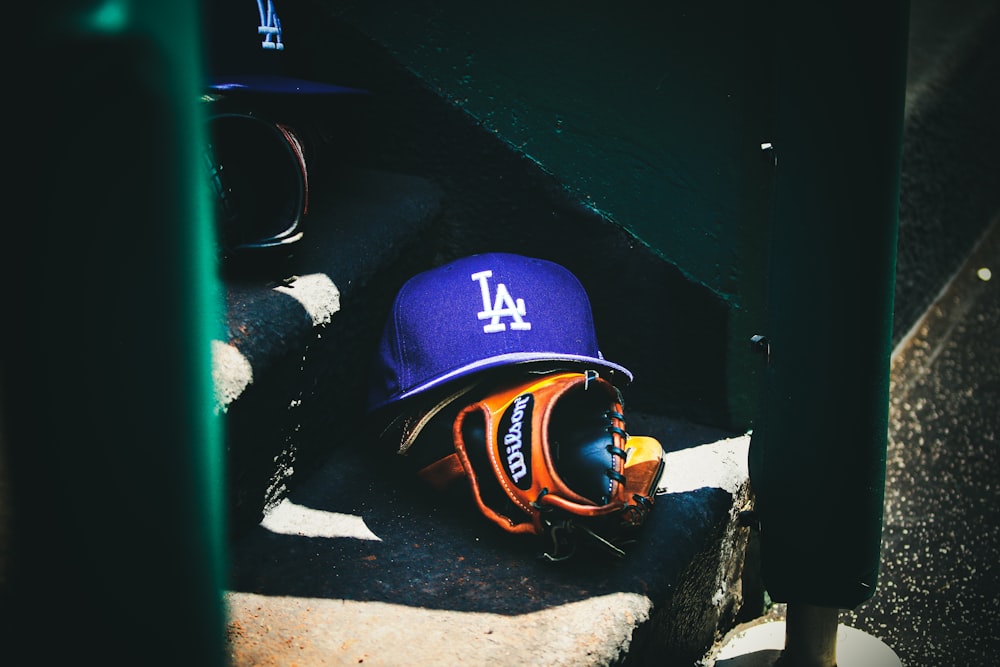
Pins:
x: 246, y: 51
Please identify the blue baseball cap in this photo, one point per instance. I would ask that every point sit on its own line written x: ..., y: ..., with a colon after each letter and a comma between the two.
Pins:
x: 482, y: 313
x: 246, y: 52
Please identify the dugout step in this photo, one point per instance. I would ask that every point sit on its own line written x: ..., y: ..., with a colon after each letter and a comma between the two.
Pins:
x: 361, y: 565
x: 300, y: 328
x: 358, y: 223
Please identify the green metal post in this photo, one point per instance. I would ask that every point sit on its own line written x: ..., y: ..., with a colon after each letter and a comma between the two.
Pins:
x: 111, y: 454
x: 817, y: 459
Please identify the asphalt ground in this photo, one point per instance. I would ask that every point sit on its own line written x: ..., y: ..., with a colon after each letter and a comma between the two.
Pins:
x: 938, y: 598
x: 937, y: 602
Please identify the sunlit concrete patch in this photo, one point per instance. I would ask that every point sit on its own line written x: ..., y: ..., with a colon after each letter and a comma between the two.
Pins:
x: 231, y: 374
x: 282, y: 630
x: 722, y: 464
x: 317, y: 294
x: 287, y: 518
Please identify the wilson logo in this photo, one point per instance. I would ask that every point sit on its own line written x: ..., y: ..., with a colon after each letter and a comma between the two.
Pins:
x: 515, y: 450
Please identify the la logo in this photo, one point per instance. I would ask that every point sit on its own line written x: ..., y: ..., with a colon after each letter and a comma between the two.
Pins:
x: 502, y: 306
x: 270, y: 26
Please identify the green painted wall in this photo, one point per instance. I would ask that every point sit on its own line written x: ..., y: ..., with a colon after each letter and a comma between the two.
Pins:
x: 639, y: 108
x: 650, y: 114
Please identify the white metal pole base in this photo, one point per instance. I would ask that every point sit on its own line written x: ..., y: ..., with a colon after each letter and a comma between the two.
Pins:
x: 762, y: 645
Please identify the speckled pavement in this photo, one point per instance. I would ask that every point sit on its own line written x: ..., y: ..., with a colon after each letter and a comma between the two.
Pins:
x: 937, y: 603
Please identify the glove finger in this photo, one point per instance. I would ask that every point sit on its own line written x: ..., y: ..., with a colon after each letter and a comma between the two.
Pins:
x: 644, y: 465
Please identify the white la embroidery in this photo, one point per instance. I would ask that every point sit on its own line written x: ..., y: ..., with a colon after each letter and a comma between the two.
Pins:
x: 270, y: 26
x: 503, y: 306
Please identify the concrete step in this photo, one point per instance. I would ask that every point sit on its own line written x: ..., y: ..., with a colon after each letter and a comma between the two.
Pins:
x: 359, y: 223
x: 290, y: 369
x: 360, y: 567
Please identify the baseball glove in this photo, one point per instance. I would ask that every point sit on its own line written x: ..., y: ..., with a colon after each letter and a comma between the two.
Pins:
x: 549, y: 456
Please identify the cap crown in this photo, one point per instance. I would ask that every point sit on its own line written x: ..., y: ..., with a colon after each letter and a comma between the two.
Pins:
x: 481, y: 312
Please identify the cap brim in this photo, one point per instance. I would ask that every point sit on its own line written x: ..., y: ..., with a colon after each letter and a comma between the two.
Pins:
x: 519, y: 361
x: 279, y: 85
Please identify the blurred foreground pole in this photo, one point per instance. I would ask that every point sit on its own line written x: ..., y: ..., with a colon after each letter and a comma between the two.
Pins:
x: 817, y: 459
x: 112, y: 476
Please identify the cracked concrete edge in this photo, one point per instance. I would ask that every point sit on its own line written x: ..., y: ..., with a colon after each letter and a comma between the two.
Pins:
x: 308, y: 632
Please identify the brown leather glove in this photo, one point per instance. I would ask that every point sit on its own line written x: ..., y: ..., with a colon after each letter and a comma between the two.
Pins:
x: 549, y: 456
